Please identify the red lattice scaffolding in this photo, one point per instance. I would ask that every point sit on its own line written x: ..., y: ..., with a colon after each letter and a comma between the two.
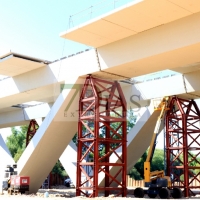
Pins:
x: 32, y: 128
x: 183, y: 144
x: 101, y: 134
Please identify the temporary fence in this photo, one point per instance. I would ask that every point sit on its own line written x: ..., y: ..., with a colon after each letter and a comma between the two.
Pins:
x: 56, y: 179
x: 140, y: 183
x: 53, y: 180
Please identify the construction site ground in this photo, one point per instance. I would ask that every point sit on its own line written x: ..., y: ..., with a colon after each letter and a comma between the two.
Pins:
x: 61, y: 192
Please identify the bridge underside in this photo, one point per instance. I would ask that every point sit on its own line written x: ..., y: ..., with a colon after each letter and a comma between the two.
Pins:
x: 125, y: 49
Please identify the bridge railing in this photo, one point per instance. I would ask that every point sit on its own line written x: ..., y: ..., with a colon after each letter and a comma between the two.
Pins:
x: 95, y: 10
x: 154, y: 76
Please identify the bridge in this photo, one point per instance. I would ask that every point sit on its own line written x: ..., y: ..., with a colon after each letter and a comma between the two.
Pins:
x: 137, y: 39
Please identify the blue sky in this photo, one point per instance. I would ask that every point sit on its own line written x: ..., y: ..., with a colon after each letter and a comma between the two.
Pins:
x: 32, y: 27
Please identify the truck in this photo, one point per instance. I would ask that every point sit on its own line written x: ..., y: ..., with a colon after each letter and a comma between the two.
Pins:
x: 19, y: 184
x: 156, y: 183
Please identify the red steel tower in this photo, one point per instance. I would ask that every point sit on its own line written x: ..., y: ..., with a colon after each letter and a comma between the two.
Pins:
x: 101, y: 133
x: 183, y: 144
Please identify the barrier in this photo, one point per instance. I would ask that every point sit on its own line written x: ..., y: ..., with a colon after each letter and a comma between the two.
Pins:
x: 140, y: 183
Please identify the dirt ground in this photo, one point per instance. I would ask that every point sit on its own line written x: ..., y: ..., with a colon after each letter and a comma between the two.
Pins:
x: 61, y: 193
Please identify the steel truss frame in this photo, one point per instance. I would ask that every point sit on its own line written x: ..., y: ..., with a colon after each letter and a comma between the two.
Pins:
x: 32, y: 128
x: 101, y: 133
x: 183, y: 144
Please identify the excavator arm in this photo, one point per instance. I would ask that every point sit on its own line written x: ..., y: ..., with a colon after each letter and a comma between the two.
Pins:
x: 156, y: 182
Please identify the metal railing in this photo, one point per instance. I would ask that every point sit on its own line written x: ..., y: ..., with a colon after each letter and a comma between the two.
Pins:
x: 154, y: 76
x: 95, y: 11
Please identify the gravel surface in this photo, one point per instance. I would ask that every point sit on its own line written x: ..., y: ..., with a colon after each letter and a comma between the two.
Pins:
x: 61, y: 193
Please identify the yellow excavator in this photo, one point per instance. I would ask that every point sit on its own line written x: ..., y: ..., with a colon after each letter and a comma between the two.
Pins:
x: 156, y: 183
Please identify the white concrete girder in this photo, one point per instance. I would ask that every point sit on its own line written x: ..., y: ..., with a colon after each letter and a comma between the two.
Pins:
x: 177, y: 39
x: 169, y: 46
x: 45, y: 82
x: 186, y: 86
x: 20, y: 116
x: 132, y: 18
x: 51, y: 138
x: 12, y: 64
x: 178, y: 46
x: 137, y: 96
x: 69, y: 161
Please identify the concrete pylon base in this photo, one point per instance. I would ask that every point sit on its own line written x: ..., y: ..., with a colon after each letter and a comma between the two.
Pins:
x: 52, y: 137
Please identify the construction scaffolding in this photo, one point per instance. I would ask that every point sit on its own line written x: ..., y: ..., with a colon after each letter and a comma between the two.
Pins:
x: 101, y: 133
x: 32, y: 129
x: 183, y: 144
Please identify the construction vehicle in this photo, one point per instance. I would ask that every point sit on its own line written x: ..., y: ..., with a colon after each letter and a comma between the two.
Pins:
x: 156, y: 183
x: 14, y: 183
x: 19, y: 184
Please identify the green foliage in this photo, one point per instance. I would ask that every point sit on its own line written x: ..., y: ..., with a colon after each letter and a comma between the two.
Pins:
x: 59, y: 169
x: 158, y: 160
x: 197, y: 171
x: 193, y: 161
x: 131, y: 120
x: 64, y: 173
x: 157, y: 163
x: 16, y: 142
x: 137, y: 172
x: 75, y: 139
x: 18, y: 154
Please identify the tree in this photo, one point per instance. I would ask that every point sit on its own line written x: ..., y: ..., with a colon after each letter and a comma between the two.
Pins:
x: 131, y: 120
x: 16, y: 142
x: 59, y: 169
x: 158, y: 160
x: 137, y: 172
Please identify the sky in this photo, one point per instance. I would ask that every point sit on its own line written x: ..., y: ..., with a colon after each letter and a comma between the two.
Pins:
x: 32, y: 27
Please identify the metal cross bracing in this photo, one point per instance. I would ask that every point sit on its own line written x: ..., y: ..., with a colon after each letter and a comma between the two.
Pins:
x: 101, y: 133
x: 183, y: 144
x: 32, y: 128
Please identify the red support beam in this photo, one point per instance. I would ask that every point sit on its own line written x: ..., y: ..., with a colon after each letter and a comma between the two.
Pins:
x: 101, y: 133
x: 183, y: 144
